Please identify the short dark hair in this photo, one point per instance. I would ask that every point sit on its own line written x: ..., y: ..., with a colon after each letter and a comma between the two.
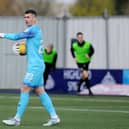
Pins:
x: 79, y: 33
x: 32, y: 11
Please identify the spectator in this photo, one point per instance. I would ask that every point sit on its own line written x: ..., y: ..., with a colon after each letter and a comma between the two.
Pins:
x: 50, y: 58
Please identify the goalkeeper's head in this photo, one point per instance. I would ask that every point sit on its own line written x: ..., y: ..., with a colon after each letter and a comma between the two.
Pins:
x: 30, y: 17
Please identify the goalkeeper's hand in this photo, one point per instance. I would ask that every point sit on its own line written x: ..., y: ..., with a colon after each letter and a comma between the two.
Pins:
x: 2, y: 35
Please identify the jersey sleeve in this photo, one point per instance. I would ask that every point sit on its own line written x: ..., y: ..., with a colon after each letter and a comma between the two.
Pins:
x: 28, y: 33
x: 72, y: 52
x: 54, y: 61
x: 73, y: 40
x: 91, y: 51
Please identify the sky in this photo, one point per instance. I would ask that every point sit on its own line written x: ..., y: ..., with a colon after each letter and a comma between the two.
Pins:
x: 66, y: 1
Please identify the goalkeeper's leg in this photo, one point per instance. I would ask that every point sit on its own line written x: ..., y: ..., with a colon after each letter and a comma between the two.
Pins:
x: 47, y: 103
x: 24, y: 98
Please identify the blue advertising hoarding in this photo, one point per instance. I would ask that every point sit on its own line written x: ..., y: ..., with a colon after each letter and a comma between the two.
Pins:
x: 103, y: 82
x: 65, y: 80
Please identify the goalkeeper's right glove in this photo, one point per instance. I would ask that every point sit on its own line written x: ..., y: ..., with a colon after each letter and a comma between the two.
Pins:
x: 19, y: 48
x: 2, y: 35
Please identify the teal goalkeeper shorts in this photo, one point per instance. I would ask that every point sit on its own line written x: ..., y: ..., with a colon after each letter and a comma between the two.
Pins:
x: 34, y: 78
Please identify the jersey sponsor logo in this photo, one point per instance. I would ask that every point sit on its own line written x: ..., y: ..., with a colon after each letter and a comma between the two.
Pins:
x: 40, y: 49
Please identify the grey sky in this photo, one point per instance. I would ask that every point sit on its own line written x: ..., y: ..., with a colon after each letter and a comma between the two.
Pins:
x: 66, y: 1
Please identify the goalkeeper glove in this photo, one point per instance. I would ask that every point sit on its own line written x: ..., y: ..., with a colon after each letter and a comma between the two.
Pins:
x: 19, y: 48
x: 2, y: 35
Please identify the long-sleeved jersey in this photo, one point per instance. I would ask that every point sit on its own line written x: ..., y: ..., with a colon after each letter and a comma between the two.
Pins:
x: 33, y: 35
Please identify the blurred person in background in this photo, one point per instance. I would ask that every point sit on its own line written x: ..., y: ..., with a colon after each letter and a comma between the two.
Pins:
x: 50, y: 59
x: 82, y: 52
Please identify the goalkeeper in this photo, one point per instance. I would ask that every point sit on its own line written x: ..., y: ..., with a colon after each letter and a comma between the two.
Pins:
x: 82, y: 52
x: 35, y: 68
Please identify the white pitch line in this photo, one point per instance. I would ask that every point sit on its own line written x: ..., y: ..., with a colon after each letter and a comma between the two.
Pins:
x: 85, y: 110
x: 72, y: 99
x: 91, y: 100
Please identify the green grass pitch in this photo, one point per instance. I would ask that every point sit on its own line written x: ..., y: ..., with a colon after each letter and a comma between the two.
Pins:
x: 76, y: 112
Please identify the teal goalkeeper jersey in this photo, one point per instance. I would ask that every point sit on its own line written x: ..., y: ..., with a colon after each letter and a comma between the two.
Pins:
x: 33, y: 35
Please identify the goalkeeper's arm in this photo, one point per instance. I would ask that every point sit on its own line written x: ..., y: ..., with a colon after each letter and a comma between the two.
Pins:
x: 22, y: 35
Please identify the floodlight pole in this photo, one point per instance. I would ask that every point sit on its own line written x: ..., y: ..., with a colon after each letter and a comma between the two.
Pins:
x: 106, y: 17
x: 64, y: 19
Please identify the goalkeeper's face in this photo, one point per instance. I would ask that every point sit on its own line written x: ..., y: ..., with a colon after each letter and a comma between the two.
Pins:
x: 30, y: 19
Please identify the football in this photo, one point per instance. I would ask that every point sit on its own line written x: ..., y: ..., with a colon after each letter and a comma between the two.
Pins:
x: 22, y: 49
x: 19, y: 48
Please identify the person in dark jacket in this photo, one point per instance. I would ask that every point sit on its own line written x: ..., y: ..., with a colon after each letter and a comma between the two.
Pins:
x: 82, y: 52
